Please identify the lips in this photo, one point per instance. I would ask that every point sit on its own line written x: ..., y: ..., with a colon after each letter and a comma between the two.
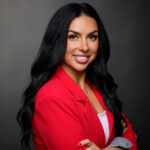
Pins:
x: 81, y: 59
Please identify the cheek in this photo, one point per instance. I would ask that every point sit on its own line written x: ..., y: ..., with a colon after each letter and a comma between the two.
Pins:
x: 69, y: 51
x: 94, y: 49
x: 71, y: 46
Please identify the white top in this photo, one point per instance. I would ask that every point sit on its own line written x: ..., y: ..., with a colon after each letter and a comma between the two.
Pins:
x: 104, y: 121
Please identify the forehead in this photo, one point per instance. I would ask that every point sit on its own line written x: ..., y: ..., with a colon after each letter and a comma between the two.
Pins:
x: 83, y: 23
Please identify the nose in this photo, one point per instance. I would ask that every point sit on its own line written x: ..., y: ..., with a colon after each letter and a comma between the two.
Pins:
x: 84, y: 45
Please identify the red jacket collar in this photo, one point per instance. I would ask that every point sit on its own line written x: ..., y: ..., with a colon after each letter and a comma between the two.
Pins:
x: 71, y: 84
x: 74, y: 87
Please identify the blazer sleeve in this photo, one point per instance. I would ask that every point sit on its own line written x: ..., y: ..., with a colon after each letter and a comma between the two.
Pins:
x: 58, y: 125
x: 130, y: 134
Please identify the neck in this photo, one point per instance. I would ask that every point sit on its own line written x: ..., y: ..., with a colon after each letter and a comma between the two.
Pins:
x: 78, y: 77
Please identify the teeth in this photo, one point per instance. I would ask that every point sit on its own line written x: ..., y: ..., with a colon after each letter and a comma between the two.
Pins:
x: 81, y: 57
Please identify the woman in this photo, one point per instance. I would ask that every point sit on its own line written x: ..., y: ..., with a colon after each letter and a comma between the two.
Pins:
x: 71, y: 102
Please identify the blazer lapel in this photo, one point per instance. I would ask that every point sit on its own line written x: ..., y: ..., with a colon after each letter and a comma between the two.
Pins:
x: 109, y: 114
x: 95, y: 130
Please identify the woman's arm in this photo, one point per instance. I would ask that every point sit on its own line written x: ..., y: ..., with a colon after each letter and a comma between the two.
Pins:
x: 113, y: 148
x: 129, y: 134
x: 93, y: 146
x: 128, y: 140
x: 58, y: 126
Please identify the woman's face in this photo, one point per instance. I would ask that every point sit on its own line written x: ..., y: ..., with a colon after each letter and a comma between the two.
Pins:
x: 82, y: 43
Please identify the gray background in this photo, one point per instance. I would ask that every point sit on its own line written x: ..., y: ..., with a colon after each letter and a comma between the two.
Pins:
x: 22, y: 25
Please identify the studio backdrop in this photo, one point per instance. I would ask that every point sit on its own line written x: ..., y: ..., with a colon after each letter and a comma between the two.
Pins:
x: 22, y: 26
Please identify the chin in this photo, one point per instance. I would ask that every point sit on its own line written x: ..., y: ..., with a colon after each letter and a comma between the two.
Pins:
x: 75, y: 67
x: 80, y: 68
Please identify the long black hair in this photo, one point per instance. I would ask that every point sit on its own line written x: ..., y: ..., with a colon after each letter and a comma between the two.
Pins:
x: 51, y: 53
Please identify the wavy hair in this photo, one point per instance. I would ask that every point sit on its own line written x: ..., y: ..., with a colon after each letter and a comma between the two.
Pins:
x: 51, y: 53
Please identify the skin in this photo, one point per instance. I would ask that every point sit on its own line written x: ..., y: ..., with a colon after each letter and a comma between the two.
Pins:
x: 82, y: 41
x: 92, y: 146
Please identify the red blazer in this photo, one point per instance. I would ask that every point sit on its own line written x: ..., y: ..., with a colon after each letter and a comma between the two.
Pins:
x: 63, y: 116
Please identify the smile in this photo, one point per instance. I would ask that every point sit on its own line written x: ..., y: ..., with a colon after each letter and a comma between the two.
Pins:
x: 81, y: 59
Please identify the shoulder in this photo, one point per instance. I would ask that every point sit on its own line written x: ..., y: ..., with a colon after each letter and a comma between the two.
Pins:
x: 52, y: 89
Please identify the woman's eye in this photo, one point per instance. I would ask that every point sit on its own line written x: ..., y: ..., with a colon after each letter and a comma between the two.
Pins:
x: 93, y: 37
x: 72, y: 37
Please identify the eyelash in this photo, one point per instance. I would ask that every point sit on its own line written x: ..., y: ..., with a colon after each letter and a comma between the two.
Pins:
x: 73, y: 37
x: 93, y: 36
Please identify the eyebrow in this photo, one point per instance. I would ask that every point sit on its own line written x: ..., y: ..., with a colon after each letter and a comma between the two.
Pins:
x: 75, y: 32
